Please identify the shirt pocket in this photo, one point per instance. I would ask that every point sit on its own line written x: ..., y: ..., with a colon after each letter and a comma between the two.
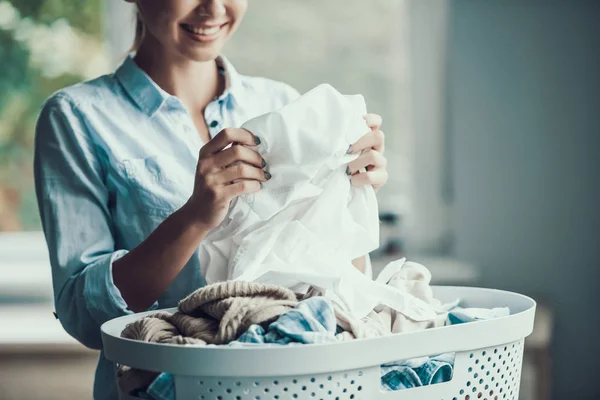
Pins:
x: 156, y: 184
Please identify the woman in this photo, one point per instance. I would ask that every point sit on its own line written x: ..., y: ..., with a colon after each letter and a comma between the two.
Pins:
x: 133, y: 169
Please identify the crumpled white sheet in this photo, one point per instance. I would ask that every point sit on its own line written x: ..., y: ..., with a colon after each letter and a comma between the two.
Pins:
x: 410, y: 277
x: 307, y: 223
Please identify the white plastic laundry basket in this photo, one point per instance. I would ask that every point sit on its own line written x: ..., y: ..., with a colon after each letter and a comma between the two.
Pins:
x: 487, y: 364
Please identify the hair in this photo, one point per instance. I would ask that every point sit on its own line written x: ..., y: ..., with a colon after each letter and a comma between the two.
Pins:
x: 140, y: 29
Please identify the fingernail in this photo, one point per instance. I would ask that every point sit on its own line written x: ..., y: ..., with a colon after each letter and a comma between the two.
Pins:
x: 256, y: 140
x: 263, y: 163
x: 349, y: 151
x: 348, y: 170
x: 267, y: 175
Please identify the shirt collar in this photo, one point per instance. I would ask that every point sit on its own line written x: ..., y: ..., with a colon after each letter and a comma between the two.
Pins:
x: 149, y: 97
x: 234, y: 87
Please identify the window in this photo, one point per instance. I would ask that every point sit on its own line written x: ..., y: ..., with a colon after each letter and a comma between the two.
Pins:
x: 44, y: 46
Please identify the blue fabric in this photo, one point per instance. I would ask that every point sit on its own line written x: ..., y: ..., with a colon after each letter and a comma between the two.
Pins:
x: 162, y: 388
x: 459, y: 315
x: 311, y: 321
x: 411, y: 373
x: 114, y: 157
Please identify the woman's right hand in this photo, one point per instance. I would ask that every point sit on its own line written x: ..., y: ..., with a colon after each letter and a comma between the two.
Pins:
x: 222, y: 175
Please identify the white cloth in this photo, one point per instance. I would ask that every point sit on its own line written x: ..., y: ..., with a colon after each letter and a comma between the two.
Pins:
x: 409, y: 277
x: 307, y: 223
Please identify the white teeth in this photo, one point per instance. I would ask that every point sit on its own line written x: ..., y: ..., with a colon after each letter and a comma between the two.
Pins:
x: 202, y: 31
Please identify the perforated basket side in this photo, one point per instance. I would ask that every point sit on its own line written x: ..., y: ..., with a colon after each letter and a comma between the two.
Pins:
x: 351, y: 384
x: 492, y: 373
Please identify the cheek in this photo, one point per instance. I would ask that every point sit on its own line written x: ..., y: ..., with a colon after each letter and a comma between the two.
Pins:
x: 167, y: 28
x: 236, y: 11
x: 159, y: 21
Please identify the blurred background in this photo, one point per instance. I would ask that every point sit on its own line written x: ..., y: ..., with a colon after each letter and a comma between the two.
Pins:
x: 492, y: 116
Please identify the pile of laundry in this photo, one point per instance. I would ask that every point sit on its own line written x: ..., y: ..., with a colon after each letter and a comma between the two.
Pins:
x: 237, y: 313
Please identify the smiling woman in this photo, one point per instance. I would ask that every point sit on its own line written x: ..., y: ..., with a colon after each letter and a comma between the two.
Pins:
x: 123, y: 149
x: 170, y: 26
x: 134, y: 169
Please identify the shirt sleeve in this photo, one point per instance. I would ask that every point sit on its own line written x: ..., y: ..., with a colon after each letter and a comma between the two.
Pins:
x: 73, y: 203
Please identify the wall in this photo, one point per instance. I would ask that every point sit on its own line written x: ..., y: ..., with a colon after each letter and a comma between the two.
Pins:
x: 428, y: 223
x: 524, y: 122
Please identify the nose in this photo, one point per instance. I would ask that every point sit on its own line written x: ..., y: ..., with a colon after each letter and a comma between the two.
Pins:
x: 212, y: 8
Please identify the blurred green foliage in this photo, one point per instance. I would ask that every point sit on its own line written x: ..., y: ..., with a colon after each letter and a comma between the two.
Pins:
x: 83, y: 15
x: 23, y: 89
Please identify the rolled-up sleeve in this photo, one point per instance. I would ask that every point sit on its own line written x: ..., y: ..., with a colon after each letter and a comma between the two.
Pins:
x: 73, y: 202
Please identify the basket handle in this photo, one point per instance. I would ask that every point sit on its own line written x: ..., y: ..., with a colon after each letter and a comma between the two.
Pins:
x: 433, y: 391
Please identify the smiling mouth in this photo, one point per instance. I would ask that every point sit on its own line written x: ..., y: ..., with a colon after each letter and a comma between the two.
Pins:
x: 203, y: 33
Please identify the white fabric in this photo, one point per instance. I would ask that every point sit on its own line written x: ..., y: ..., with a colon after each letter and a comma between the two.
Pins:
x: 307, y: 223
x: 409, y: 277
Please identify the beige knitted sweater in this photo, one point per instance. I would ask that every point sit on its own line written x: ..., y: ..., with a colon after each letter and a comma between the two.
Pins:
x: 214, y: 314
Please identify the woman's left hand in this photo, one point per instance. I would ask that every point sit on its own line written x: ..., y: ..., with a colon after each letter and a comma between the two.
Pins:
x: 370, y: 147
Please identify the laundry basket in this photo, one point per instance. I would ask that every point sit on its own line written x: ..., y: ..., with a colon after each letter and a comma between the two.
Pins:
x: 487, y: 364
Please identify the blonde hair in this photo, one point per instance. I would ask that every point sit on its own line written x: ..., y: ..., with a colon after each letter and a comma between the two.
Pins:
x: 140, y: 29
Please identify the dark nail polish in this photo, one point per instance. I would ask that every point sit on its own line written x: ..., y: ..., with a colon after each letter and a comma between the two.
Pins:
x: 256, y: 140
x: 348, y: 170
x: 263, y: 163
x: 267, y: 175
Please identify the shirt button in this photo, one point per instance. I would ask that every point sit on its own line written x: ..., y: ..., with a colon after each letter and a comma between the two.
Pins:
x: 214, y: 124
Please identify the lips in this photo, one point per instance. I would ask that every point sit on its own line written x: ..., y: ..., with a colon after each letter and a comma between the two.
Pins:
x: 203, y: 33
x: 199, y: 30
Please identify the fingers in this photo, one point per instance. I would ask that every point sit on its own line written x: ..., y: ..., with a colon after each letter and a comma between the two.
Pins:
x: 240, y: 188
x: 377, y: 178
x: 226, y: 137
x: 369, y: 158
x: 237, y: 172
x: 232, y: 155
x: 372, y: 140
x: 374, y: 121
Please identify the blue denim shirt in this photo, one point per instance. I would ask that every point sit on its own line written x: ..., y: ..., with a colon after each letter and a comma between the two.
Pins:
x: 113, y: 158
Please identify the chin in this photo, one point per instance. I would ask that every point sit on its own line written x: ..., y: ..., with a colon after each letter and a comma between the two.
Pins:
x: 202, y: 54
